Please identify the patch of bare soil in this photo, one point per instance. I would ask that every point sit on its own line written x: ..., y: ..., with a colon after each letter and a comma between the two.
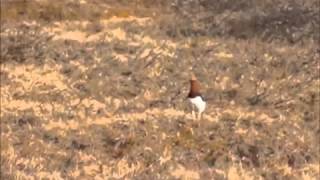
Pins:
x: 97, y: 89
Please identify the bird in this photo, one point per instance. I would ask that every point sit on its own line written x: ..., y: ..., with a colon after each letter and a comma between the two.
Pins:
x: 195, y: 97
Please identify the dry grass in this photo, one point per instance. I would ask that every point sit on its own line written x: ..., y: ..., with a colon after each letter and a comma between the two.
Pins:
x: 101, y: 94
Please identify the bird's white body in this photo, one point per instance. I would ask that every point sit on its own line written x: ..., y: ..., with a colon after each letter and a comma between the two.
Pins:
x: 199, y: 103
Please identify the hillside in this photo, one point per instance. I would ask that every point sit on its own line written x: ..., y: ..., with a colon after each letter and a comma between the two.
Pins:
x: 97, y: 89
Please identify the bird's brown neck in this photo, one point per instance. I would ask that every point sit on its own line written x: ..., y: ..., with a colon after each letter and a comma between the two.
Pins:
x: 194, y: 89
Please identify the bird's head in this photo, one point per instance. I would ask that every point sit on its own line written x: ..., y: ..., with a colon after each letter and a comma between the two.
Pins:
x: 193, y: 77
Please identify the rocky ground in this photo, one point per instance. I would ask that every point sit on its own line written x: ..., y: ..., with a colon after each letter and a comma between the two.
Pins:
x: 97, y: 89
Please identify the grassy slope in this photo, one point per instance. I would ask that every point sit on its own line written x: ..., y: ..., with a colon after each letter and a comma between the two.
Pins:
x: 101, y: 93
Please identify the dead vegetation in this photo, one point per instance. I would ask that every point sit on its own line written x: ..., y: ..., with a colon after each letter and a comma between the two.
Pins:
x: 92, y: 90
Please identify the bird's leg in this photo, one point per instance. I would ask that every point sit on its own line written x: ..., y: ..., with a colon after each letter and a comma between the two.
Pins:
x: 199, y: 115
x: 193, y: 113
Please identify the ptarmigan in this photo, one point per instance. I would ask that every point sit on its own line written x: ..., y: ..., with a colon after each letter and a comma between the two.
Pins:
x: 195, y: 96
